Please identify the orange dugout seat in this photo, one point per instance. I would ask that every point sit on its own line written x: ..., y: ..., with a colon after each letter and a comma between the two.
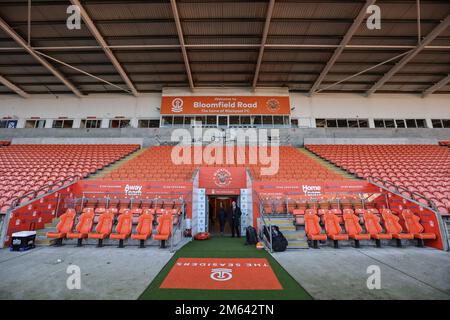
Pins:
x: 412, y: 223
x: 84, y: 226
x: 353, y: 227
x: 392, y: 226
x: 144, y: 228
x: 123, y: 228
x: 313, y: 229
x: 164, y: 229
x: 373, y: 227
x: 64, y: 226
x: 333, y: 229
x: 103, y: 228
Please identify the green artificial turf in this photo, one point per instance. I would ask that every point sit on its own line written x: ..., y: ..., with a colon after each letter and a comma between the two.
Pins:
x: 224, y: 247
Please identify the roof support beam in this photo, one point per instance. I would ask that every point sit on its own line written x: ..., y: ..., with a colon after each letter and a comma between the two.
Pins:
x: 13, y: 87
x: 41, y: 60
x: 181, y: 39
x: 90, y: 24
x: 344, y: 42
x: 263, y: 41
x: 436, y: 86
x: 430, y: 37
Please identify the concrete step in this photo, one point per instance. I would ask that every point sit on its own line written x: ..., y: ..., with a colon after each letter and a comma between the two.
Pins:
x: 298, y: 244
x: 115, y: 165
x: 328, y: 165
x: 294, y: 235
x: 286, y: 228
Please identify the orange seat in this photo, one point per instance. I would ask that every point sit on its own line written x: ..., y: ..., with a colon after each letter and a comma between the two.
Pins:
x: 392, y: 225
x: 299, y: 215
x: 123, y: 228
x: 333, y: 229
x: 412, y: 223
x: 373, y: 227
x: 164, y: 229
x: 313, y: 229
x: 64, y: 226
x: 103, y: 228
x: 83, y: 227
x: 353, y: 227
x: 144, y: 228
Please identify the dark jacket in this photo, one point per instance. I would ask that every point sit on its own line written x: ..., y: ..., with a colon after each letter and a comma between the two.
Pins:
x: 235, y: 215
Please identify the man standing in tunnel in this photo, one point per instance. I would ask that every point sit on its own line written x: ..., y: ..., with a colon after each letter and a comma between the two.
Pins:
x: 235, y: 219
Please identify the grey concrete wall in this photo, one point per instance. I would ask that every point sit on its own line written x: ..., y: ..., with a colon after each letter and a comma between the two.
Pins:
x: 294, y: 136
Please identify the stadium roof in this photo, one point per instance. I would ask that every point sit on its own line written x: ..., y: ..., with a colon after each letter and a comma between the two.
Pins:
x: 143, y: 46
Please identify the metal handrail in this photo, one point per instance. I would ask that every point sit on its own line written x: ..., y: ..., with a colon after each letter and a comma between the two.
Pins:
x: 16, y: 204
x: 432, y: 207
x: 178, y: 226
x: 414, y: 194
x: 266, y: 226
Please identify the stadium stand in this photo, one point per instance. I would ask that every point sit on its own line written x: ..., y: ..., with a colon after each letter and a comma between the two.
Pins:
x: 34, y: 170
x: 423, y: 169
x: 154, y: 164
x: 296, y: 166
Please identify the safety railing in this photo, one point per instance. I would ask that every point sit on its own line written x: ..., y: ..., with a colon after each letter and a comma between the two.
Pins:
x: 178, y: 227
x: 399, y: 189
x: 267, y: 225
x: 33, y: 196
x: 385, y: 185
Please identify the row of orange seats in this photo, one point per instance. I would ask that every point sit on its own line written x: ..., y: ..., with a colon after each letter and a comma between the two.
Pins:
x: 390, y: 229
x: 104, y: 227
x: 25, y: 169
x: 420, y: 169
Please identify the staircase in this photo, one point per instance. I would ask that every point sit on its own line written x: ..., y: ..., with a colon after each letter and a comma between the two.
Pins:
x: 328, y: 164
x: 116, y: 165
x: 41, y: 234
x: 296, y: 238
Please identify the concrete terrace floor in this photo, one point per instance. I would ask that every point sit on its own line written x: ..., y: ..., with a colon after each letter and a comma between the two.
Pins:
x: 406, y: 273
x: 106, y: 273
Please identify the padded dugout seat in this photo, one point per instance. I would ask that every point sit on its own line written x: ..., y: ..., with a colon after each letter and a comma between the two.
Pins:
x: 299, y: 215
x: 123, y: 228
x: 313, y: 229
x: 412, y: 223
x: 64, y: 226
x: 353, y: 228
x: 144, y: 228
x: 84, y: 226
x: 103, y: 228
x: 392, y: 225
x: 333, y: 229
x: 373, y: 227
x: 164, y: 229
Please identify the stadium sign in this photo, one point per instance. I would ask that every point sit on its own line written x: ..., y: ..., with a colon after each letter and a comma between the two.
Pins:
x: 238, y: 105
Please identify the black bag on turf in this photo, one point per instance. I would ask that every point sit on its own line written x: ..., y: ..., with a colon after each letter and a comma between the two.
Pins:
x: 279, y: 242
x: 250, y: 235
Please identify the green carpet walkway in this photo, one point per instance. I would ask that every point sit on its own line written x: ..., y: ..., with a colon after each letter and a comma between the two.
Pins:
x: 225, y: 247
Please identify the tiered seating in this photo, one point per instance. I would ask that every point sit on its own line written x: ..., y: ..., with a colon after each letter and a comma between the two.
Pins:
x: 385, y: 228
x: 297, y: 204
x: 154, y: 164
x: 30, y: 168
x: 114, y: 217
x: 296, y: 166
x: 423, y: 169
